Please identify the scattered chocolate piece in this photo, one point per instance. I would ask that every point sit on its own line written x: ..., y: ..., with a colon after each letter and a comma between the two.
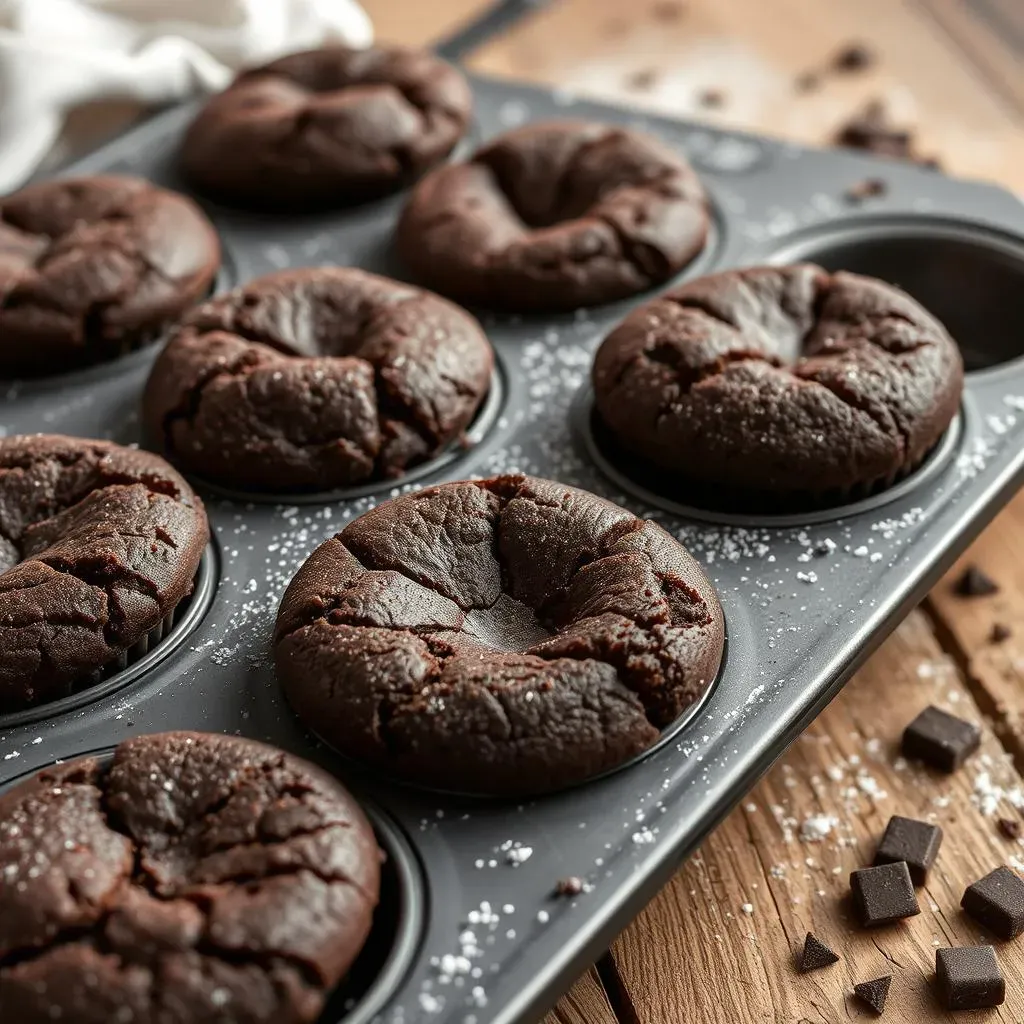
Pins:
x: 643, y: 79
x: 997, y: 902
x: 915, y: 842
x: 815, y: 955
x: 1009, y: 828
x: 712, y: 99
x: 807, y: 81
x: 669, y: 10
x: 871, y: 129
x: 883, y: 894
x: 1000, y: 632
x: 969, y: 978
x: 866, y: 189
x: 571, y: 886
x: 874, y: 993
x: 975, y: 583
x: 940, y: 739
x: 853, y: 57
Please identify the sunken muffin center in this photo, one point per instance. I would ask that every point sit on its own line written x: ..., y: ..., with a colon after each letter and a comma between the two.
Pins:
x: 508, y: 625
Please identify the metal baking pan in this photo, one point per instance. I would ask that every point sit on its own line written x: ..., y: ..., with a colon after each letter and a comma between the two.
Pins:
x: 481, y: 937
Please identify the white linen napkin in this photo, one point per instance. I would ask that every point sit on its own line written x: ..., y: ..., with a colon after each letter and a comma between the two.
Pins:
x: 58, y: 55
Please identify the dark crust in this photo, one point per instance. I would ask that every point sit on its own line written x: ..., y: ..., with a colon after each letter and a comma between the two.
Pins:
x: 555, y: 216
x: 316, y: 378
x: 93, y: 267
x: 98, y: 544
x: 780, y: 380
x: 508, y: 636
x: 199, y: 878
x: 326, y: 127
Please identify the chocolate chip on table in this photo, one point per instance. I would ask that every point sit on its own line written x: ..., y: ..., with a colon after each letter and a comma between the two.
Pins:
x: 874, y: 993
x: 807, y: 81
x: 853, y: 57
x: 711, y: 99
x: 571, y: 886
x: 883, y: 894
x: 915, y: 842
x: 1009, y: 827
x: 1000, y: 632
x: 815, y: 955
x: 940, y: 739
x: 969, y: 978
x: 867, y: 188
x: 975, y: 583
x: 997, y: 902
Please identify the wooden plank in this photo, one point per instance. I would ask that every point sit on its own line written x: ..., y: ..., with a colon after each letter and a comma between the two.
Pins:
x: 419, y: 22
x: 664, y: 54
x: 585, y: 1003
x: 994, y: 670
x: 694, y: 955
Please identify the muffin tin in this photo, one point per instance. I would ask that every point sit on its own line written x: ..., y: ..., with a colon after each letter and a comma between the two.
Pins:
x: 471, y: 932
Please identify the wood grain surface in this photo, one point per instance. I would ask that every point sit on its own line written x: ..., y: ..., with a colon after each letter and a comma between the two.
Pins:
x: 953, y: 72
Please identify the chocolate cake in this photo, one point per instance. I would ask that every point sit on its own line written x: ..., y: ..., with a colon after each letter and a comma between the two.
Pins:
x: 508, y: 636
x: 316, y: 378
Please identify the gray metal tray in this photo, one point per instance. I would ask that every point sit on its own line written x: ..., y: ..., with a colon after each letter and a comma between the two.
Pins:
x: 477, y: 935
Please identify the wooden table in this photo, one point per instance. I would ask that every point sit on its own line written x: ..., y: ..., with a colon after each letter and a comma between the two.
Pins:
x: 948, y: 68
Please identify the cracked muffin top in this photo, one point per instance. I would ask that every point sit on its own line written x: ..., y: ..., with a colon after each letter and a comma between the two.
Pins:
x: 192, y: 878
x: 98, y: 544
x: 93, y: 267
x: 782, y: 381
x: 554, y: 216
x: 326, y: 127
x: 316, y: 378
x: 508, y: 636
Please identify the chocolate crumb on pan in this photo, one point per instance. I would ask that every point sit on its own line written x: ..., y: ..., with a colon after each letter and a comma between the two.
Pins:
x: 326, y: 128
x: 755, y: 382
x: 98, y: 545
x: 510, y: 636
x: 193, y: 877
x: 555, y: 216
x: 866, y: 188
x: 316, y: 378
x: 815, y: 955
x: 974, y: 582
x: 91, y: 268
x: 571, y: 886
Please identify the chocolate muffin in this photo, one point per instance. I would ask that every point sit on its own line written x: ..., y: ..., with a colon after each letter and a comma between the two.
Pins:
x: 93, y: 267
x: 785, y: 385
x: 508, y: 636
x: 555, y: 216
x: 194, y: 878
x: 326, y: 127
x: 98, y: 545
x: 316, y: 378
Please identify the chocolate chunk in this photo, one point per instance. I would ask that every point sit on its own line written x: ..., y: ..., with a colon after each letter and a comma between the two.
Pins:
x: 815, y: 955
x: 883, y: 894
x: 940, y: 739
x: 975, y: 583
x: 571, y: 886
x: 853, y: 57
x: 969, y: 978
x: 870, y: 129
x: 711, y: 98
x: 997, y: 902
x: 1009, y: 828
x: 866, y: 189
x: 874, y: 993
x: 807, y: 81
x: 1000, y: 632
x: 915, y: 842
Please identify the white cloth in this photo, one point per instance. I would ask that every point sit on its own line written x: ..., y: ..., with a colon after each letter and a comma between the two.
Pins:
x: 56, y: 55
